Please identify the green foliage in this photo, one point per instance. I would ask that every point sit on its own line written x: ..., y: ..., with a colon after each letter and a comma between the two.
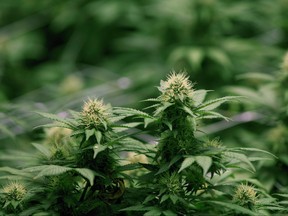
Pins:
x: 87, y: 163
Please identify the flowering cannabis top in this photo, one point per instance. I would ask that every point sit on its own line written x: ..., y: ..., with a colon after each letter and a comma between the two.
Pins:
x: 245, y: 196
x: 14, y: 191
x: 176, y: 88
x: 94, y: 113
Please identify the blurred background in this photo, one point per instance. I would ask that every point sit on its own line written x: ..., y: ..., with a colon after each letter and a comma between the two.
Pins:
x: 55, y: 54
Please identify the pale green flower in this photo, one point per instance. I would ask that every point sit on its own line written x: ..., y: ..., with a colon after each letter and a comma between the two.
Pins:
x: 245, y: 196
x: 215, y: 143
x: 14, y: 191
x: 94, y: 113
x: 56, y: 135
x: 177, y: 88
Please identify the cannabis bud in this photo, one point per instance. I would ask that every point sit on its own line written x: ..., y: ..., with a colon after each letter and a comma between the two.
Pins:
x: 94, y: 113
x: 55, y: 135
x: 245, y: 196
x: 177, y: 88
x: 171, y: 182
x: 14, y: 191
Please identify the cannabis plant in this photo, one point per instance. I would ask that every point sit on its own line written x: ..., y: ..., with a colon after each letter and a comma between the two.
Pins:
x: 191, y: 176
x: 86, y: 163
x: 76, y: 170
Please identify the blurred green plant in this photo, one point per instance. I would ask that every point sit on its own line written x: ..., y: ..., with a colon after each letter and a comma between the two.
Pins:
x: 43, y: 42
x: 267, y: 94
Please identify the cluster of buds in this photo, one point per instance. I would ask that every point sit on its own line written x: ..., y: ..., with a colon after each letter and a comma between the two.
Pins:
x: 94, y: 113
x: 171, y: 182
x: 215, y: 143
x: 14, y: 191
x: 55, y: 135
x: 245, y: 196
x: 57, y: 139
x: 177, y: 88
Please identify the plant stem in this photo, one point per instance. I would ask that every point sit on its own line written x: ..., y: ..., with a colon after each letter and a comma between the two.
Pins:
x: 84, y: 191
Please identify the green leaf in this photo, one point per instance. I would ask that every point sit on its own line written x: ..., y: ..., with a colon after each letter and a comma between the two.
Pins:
x: 131, y: 125
x: 282, y: 195
x: 149, y: 198
x: 52, y: 125
x: 35, y: 168
x: 211, y: 115
x: 6, y: 204
x: 250, y: 94
x: 255, y: 150
x: 174, y: 198
x: 148, y: 121
x: 16, y: 172
x: 98, y: 135
x: 199, y: 96
x: 57, y: 118
x: 188, y: 111
x: 205, y: 162
x: 168, y: 124
x: 130, y: 112
x: 164, y: 198
x: 260, y: 159
x: 257, y: 76
x: 77, y: 132
x: 152, y: 106
x: 14, y: 203
x: 163, y: 168
x: 104, y: 123
x: 97, y: 149
x: 160, y: 109
x: 266, y: 201
x: 166, y: 166
x: 186, y: 163
x: 43, y: 149
x: 131, y: 166
x: 89, y: 133
x: 32, y: 209
x: 51, y: 170
x: 123, y: 127
x: 88, y: 174
x: 114, y: 119
x: 153, y: 212
x: 149, y: 167
x: 152, y: 99
x: 274, y: 208
x: 235, y: 207
x: 74, y: 114
x: 212, y: 104
x: 241, y: 157
x: 130, y: 144
x: 283, y: 202
x: 6, y: 131
x: 135, y: 208
x: 42, y: 214
x: 169, y: 213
